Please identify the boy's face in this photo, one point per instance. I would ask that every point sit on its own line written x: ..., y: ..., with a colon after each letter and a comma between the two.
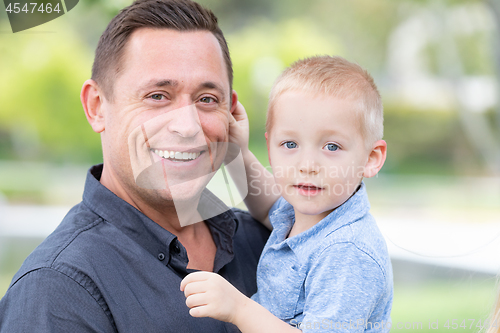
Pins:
x: 316, y: 150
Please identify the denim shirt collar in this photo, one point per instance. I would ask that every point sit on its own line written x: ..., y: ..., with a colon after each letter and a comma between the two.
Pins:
x: 353, y: 209
x: 150, y: 235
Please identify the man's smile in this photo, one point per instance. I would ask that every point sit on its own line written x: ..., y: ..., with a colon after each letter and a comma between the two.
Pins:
x: 178, y: 156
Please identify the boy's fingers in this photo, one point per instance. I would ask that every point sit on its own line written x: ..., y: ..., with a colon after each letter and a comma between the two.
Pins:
x: 232, y: 120
x: 196, y: 300
x: 239, y: 113
x: 196, y: 287
x: 196, y: 276
x: 198, y: 312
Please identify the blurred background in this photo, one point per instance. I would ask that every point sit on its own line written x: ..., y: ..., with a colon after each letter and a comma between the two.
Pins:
x: 437, y: 64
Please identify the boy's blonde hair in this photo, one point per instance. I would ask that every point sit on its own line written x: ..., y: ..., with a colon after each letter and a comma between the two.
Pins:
x: 333, y: 77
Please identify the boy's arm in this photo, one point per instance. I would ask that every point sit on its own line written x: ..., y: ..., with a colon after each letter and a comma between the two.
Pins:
x: 262, y: 191
x: 210, y: 295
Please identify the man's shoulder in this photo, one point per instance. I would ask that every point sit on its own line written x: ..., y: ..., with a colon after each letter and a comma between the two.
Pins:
x: 78, y: 220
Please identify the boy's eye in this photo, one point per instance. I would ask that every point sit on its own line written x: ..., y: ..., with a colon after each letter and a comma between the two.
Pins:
x: 290, y: 144
x: 331, y: 146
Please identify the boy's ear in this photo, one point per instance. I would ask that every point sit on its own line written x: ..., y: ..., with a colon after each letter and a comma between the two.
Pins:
x: 92, y: 99
x: 376, y: 159
x: 267, y: 144
x: 234, y: 101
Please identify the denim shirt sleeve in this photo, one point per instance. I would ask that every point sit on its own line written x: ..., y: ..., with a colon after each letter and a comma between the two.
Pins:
x: 47, y: 301
x: 342, y: 291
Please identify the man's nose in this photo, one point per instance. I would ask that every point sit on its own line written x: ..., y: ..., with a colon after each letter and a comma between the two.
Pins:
x: 186, y: 122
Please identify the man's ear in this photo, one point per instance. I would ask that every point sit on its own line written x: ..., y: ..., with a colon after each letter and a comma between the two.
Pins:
x: 234, y: 101
x: 376, y: 159
x: 267, y: 143
x: 92, y: 99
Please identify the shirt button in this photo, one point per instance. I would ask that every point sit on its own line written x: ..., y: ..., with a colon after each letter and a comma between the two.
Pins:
x: 176, y: 249
x: 161, y: 256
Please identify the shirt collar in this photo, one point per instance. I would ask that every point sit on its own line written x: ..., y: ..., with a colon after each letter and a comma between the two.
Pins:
x: 150, y: 235
x: 350, y: 211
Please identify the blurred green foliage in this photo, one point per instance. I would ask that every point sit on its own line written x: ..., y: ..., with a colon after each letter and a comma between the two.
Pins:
x: 41, y: 117
x: 427, y: 142
x: 40, y: 112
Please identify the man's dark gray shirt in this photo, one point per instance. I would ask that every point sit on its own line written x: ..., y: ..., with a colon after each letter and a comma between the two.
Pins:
x: 109, y: 268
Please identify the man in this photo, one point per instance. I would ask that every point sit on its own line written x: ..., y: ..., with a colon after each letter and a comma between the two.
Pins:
x: 161, y: 84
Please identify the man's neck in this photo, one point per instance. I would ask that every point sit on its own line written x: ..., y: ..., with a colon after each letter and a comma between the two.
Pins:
x: 195, y: 237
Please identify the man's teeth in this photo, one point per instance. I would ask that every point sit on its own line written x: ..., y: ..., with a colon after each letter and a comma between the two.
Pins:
x: 176, y: 154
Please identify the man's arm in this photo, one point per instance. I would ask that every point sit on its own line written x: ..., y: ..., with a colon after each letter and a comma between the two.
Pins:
x: 48, y: 301
x: 262, y: 190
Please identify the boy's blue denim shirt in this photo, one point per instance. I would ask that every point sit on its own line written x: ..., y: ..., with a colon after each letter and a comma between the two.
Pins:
x: 335, y: 276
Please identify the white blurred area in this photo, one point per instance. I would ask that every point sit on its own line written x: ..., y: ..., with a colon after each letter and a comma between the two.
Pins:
x: 450, y: 222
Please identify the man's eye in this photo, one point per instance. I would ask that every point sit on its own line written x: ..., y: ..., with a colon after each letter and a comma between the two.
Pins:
x: 290, y: 144
x: 207, y: 99
x: 331, y: 146
x: 157, y: 97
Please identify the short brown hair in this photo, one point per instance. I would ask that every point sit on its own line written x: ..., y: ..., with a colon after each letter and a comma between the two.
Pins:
x: 334, y: 77
x: 180, y: 15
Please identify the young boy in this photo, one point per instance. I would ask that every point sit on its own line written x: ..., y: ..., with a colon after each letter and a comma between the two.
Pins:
x: 325, y: 266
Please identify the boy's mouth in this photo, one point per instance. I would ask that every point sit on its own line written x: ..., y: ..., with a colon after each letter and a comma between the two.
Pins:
x: 308, y: 189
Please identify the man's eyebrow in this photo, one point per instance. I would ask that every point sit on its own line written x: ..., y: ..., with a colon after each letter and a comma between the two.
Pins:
x: 159, y: 83
x: 163, y: 83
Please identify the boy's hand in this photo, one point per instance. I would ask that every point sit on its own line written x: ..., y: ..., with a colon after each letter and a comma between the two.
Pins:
x: 210, y: 295
x: 239, y: 128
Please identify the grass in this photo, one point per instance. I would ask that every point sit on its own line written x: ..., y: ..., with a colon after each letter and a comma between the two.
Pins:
x: 439, y: 303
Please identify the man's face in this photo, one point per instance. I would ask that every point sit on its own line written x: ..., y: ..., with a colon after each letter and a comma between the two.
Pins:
x: 168, y: 123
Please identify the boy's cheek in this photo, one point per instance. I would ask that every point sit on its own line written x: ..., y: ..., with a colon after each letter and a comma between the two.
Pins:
x: 282, y: 172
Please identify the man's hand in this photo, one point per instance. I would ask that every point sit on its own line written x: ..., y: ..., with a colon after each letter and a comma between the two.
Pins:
x: 239, y: 128
x: 210, y: 295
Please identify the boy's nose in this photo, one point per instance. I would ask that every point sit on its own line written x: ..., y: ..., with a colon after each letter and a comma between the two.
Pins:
x: 309, y: 167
